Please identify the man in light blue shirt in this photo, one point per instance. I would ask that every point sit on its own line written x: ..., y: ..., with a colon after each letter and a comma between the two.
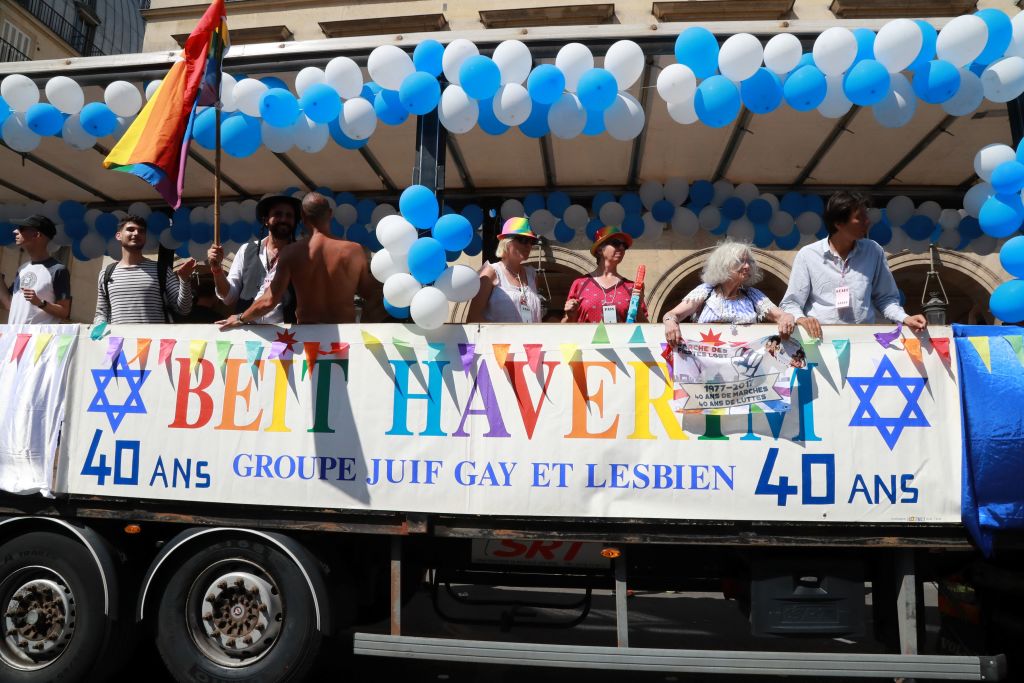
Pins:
x: 844, y: 278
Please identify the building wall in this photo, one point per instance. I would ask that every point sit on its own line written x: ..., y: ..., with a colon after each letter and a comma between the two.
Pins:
x: 44, y: 44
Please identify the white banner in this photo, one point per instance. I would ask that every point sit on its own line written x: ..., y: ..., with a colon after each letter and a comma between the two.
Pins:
x: 541, y: 420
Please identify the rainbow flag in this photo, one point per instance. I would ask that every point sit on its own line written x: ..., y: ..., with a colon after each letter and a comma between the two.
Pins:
x: 155, y: 147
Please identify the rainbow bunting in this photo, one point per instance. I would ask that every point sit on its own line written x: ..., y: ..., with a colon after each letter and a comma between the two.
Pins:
x: 155, y: 147
x: 62, y: 346
x: 500, y: 353
x: 980, y: 345
x: 196, y: 351
x: 42, y: 339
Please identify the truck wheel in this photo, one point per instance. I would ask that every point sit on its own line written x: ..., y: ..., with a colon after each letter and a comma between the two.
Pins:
x: 51, y: 598
x: 238, y: 610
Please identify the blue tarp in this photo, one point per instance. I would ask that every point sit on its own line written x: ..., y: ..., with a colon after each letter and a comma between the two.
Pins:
x: 992, y: 403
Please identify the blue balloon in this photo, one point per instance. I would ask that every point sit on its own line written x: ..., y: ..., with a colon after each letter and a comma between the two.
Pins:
x: 364, y: 210
x: 372, y: 242
x: 344, y: 141
x: 1007, y: 302
x: 346, y: 198
x: 427, y: 57
x: 5, y: 110
x: 733, y: 208
x: 6, y: 234
x: 865, y: 44
x: 239, y: 232
x: 789, y: 241
x: 487, y: 121
x: 545, y: 84
x: 632, y: 225
x: 453, y: 231
x: 533, y: 202
x: 919, y: 227
x: 701, y: 194
x: 881, y: 232
x: 594, y: 224
x: 358, y: 234
x: 337, y: 229
x: 563, y: 233
x: 792, y: 203
x: 369, y: 91
x: 76, y: 251
x: 427, y: 260
x: 70, y: 210
x: 475, y: 246
x: 1011, y: 256
x: 697, y: 48
x: 480, y: 77
x: 632, y: 203
x: 807, y: 59
x: 419, y: 93
x: 867, y: 83
x: 181, y: 230
x: 76, y: 229
x: 97, y: 119
x: 1000, y: 32
x: 976, y: 68
x: 44, y: 119
x: 806, y: 87
x: 389, y: 108
x: 201, y: 233
x: 1001, y: 215
x: 600, y: 199
x: 274, y: 82
x: 279, y: 108
x: 663, y: 210
x: 929, y: 37
x: 759, y: 211
x: 814, y: 203
x: 763, y: 236
x: 474, y: 214
x: 321, y: 103
x: 558, y: 202
x: 240, y: 136
x: 762, y: 92
x: 936, y: 81
x: 595, y: 123
x: 536, y: 124
x: 419, y: 206
x: 597, y: 89
x: 717, y: 101
x: 969, y: 227
x: 723, y: 226
x: 396, y: 312
x: 204, y: 130
x: 1008, y: 177
x: 106, y: 225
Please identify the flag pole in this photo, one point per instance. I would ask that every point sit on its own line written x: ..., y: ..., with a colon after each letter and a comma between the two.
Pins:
x: 216, y: 177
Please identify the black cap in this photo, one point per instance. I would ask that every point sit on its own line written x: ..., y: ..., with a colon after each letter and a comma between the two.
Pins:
x: 265, y: 204
x: 40, y: 223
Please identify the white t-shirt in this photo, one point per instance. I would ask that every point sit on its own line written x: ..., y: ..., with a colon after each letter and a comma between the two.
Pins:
x: 50, y: 280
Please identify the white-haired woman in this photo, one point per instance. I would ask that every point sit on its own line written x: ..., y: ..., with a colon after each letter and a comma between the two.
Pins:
x: 726, y: 295
x: 508, y: 289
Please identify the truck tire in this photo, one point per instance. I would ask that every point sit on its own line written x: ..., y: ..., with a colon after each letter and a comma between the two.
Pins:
x: 51, y: 599
x: 238, y: 610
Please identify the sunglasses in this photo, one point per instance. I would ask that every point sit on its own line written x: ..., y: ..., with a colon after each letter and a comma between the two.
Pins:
x: 522, y: 239
x: 617, y: 244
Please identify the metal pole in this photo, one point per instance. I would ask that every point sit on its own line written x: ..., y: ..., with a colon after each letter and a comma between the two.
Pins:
x: 396, y: 586
x: 621, y: 613
x: 431, y: 154
x: 1015, y: 109
x: 906, y: 601
x: 216, y: 178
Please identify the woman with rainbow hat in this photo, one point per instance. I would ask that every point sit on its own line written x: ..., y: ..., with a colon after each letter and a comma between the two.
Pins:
x: 603, y: 296
x: 508, y: 289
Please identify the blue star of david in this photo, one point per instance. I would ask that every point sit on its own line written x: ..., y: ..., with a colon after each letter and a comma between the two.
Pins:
x: 889, y: 427
x: 133, y: 404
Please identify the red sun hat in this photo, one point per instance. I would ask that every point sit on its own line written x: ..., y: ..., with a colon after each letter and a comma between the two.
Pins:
x: 607, y: 233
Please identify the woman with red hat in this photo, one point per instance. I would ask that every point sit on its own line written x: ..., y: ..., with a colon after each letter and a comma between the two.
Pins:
x: 508, y: 289
x: 603, y: 296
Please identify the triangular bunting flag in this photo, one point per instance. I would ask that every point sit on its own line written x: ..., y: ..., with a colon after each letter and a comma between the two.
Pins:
x: 980, y: 345
x: 668, y: 353
x: 467, y: 352
x: 114, y: 345
x: 253, y: 351
x: 941, y: 346
x: 569, y: 352
x: 369, y: 339
x: 912, y: 345
x: 97, y: 331
x: 196, y: 350
x: 435, y: 350
x: 277, y: 350
x: 842, y: 347
x: 501, y: 353
x: 600, y: 334
x: 534, y: 353
x: 338, y: 350
x: 166, y: 349
x: 141, y: 352
x: 20, y: 342
x: 886, y: 338
x: 42, y: 339
x: 401, y: 344
x: 63, y: 344
x: 638, y: 336
x: 223, y: 351
x: 1017, y: 344
x: 311, y: 350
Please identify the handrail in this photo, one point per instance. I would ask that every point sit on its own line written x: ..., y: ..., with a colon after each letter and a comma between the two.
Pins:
x: 60, y: 25
x: 9, y: 53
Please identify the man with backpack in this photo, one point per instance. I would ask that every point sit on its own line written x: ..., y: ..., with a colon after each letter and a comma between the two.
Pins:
x: 255, y: 263
x: 137, y: 290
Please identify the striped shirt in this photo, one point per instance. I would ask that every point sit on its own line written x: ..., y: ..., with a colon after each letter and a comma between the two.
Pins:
x: 133, y: 296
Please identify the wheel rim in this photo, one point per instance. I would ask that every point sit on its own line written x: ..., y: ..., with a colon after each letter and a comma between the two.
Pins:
x: 38, y: 618
x: 235, y: 613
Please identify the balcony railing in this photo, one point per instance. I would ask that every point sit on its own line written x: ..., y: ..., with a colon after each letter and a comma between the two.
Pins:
x: 9, y: 53
x: 59, y: 24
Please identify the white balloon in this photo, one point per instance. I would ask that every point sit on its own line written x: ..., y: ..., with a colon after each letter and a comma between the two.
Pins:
x: 611, y: 213
x: 167, y: 240
x: 514, y: 61
x: 276, y: 139
x: 683, y: 112
x: 899, y: 209
x: 567, y: 118
x: 624, y: 120
x: 983, y: 245
x: 230, y: 212
x: 930, y: 209
x: 748, y: 192
x: 154, y: 85
x: 19, y: 91
x: 247, y: 94
x: 458, y: 283
x: 400, y: 288
x: 990, y: 157
x: 199, y: 214
x: 197, y: 250
x: 975, y: 197
x: 625, y: 60
x: 1003, y: 80
x: 685, y: 222
x: 676, y: 83
x: 384, y: 264
x: 897, y: 44
x: 93, y: 245
x: 346, y: 215
x: 651, y: 191
x: 574, y: 59
x: 512, y: 208
x: 836, y: 103
x: 949, y: 219
x: 389, y: 65
x: 949, y: 239
x: 51, y: 209
x: 543, y: 222
x: 227, y: 92
x: 742, y: 230
x: 90, y: 217
x: 771, y: 199
x: 396, y: 235
x: 358, y: 120
x: 962, y: 39
x: 142, y: 209
x: 65, y: 94
x: 458, y: 111
x: 18, y: 135
x: 874, y: 215
x: 429, y: 308
x: 710, y: 218
x: 808, y: 223
x: 834, y: 50
x: 576, y: 217
x: 121, y: 215
x: 898, y: 107
x: 123, y: 123
x: 677, y: 190
x: 740, y: 57
x: 310, y: 136
x: 123, y: 98
x: 898, y: 243
x: 76, y: 136
x: 723, y: 190
x: 783, y: 53
x: 512, y: 104
x: 308, y: 76
x: 781, y: 224
x: 455, y: 53
x: 968, y: 98
x: 247, y: 210
x: 919, y: 246
x: 379, y: 212
x: 345, y: 76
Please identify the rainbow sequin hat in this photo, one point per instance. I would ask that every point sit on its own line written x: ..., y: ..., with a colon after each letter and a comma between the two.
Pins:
x: 609, y: 232
x: 516, y: 227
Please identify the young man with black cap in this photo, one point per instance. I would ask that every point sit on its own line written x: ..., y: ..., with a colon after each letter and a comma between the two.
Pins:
x: 255, y: 264
x: 41, y: 293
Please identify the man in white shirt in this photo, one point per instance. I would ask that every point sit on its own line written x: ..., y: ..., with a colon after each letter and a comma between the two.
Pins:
x: 41, y: 293
x: 255, y: 263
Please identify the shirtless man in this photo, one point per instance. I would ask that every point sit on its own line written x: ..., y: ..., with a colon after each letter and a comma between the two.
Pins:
x: 325, y: 272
